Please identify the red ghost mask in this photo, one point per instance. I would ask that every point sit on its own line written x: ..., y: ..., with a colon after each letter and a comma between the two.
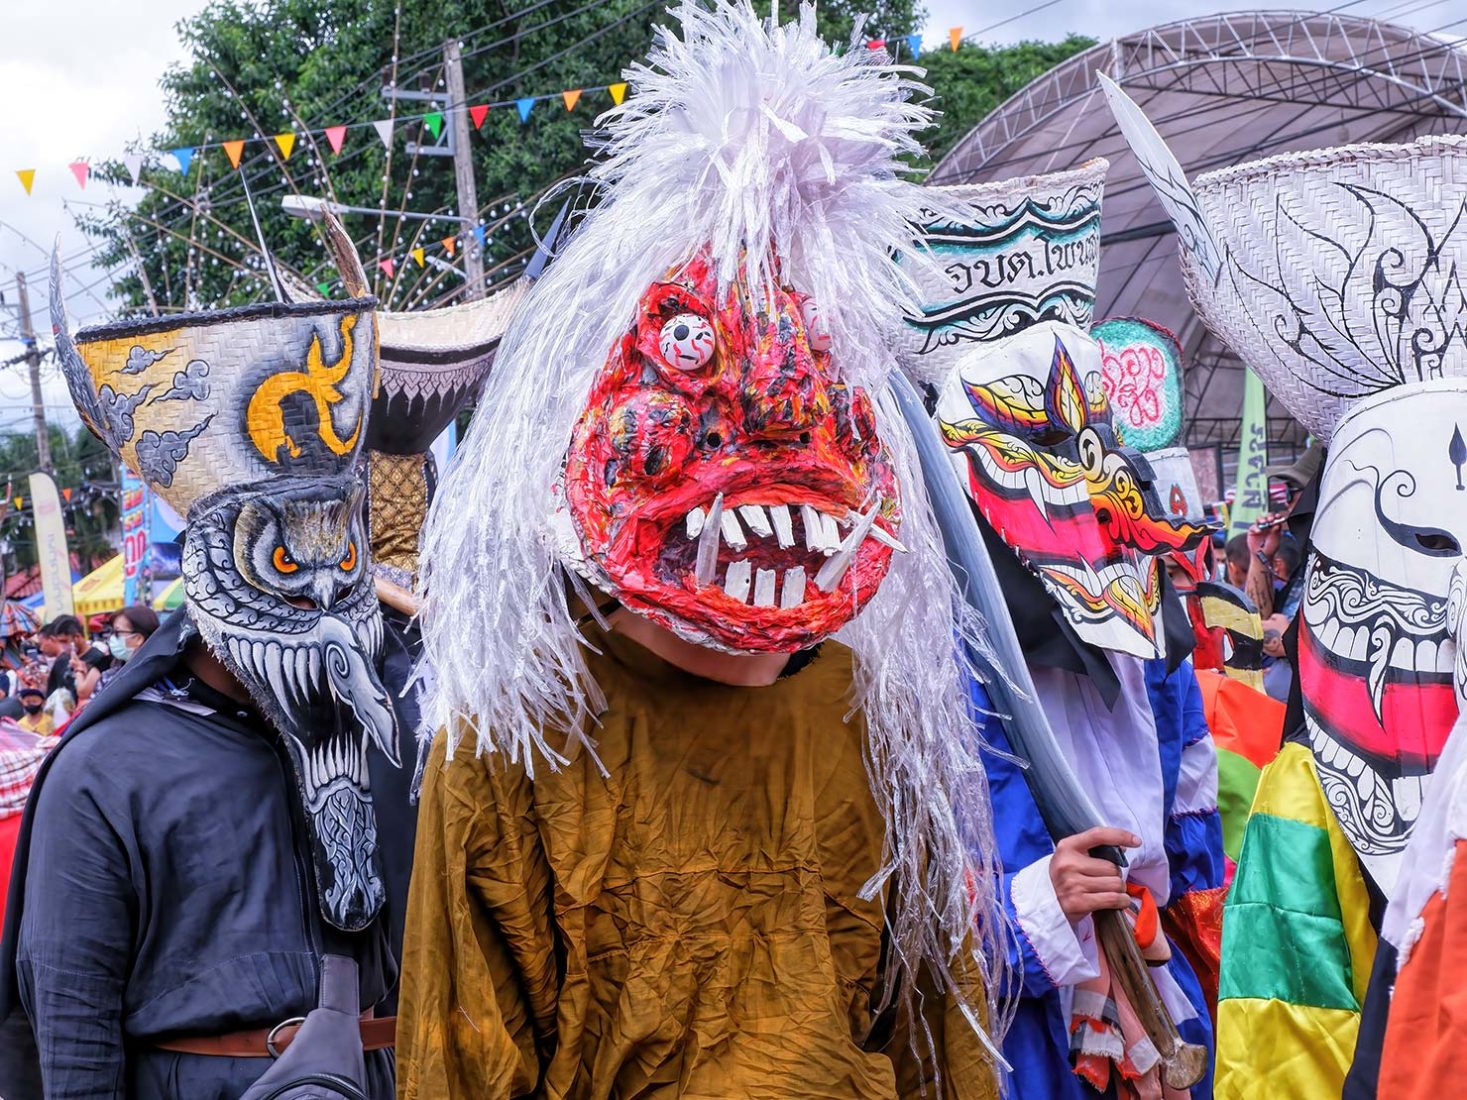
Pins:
x: 723, y: 480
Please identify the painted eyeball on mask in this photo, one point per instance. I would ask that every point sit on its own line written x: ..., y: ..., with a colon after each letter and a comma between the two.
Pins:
x: 686, y: 342
x: 817, y: 332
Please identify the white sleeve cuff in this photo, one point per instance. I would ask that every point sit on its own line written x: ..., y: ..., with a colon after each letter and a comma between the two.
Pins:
x: 1067, y: 953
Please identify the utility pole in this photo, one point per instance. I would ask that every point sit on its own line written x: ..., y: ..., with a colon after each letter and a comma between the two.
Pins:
x: 463, y: 166
x: 33, y: 361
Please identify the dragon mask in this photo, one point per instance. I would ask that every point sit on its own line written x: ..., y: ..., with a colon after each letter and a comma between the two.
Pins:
x: 723, y: 480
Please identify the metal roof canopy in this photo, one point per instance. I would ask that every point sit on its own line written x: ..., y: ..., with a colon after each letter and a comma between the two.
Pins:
x: 1221, y: 90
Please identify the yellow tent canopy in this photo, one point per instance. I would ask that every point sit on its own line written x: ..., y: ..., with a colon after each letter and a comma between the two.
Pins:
x: 100, y: 590
x: 170, y: 598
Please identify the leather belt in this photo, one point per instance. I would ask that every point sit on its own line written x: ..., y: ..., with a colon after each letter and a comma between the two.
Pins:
x: 378, y: 1033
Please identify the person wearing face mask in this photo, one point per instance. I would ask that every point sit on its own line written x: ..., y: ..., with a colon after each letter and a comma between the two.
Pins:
x: 35, y: 718
x: 131, y: 627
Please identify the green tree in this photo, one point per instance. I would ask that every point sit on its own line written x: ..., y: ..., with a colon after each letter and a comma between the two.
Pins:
x: 282, y: 65
x: 970, y: 82
x: 84, y: 473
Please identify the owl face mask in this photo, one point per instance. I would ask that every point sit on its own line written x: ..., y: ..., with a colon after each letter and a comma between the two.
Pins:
x: 1036, y: 449
x: 723, y: 480
x: 250, y: 422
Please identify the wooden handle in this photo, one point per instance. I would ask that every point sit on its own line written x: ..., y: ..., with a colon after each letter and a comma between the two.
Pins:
x: 1182, y: 1064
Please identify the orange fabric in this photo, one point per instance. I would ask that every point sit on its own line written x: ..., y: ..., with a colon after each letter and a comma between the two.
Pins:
x: 689, y: 925
x: 1241, y: 719
x: 1424, y: 1056
x: 1194, y: 923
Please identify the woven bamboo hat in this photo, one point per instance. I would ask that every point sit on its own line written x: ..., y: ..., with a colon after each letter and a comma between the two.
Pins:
x: 1334, y: 274
x: 1022, y: 251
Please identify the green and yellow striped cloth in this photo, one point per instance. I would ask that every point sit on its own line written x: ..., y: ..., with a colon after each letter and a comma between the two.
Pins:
x: 1297, y: 945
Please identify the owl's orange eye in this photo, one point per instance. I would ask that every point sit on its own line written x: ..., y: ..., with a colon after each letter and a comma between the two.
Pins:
x: 349, y: 562
x: 282, y: 560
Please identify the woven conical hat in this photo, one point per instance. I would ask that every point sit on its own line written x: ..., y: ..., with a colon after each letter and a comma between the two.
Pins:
x: 1334, y: 274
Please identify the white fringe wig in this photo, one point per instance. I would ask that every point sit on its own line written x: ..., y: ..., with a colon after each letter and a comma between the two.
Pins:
x: 754, y: 140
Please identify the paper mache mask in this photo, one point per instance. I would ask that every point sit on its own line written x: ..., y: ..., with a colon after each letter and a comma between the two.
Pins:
x: 1036, y: 449
x: 1336, y: 275
x: 723, y: 480
x: 250, y: 422
x: 1141, y: 372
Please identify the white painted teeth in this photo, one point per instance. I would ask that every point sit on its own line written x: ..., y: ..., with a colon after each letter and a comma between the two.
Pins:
x: 794, y: 588
x: 814, y: 529
x: 733, y: 533
x: 736, y: 583
x: 784, y: 529
x: 695, y: 523
x: 707, y: 567
x: 833, y: 570
x: 764, y: 588
x: 755, y: 519
x: 886, y: 538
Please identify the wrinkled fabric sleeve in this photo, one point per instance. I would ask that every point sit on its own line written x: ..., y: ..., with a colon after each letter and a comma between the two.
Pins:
x: 479, y: 988
x: 76, y: 936
x: 1045, y: 950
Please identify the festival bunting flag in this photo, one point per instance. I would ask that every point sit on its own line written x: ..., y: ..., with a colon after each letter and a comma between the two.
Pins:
x: 384, y: 131
x: 419, y: 256
x: 324, y: 287
x: 234, y: 150
x: 450, y: 245
x: 876, y: 44
x: 955, y: 36
x: 134, y: 165
x: 335, y: 135
x: 184, y: 156
x: 478, y: 114
x: 618, y: 93
x: 525, y: 106
x: 479, y: 235
x: 433, y: 120
x: 80, y: 169
x: 285, y: 143
x: 571, y: 97
x: 27, y: 178
x: 388, y: 266
x: 914, y: 44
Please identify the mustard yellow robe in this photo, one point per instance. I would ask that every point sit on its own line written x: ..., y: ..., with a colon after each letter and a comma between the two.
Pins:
x: 688, y: 927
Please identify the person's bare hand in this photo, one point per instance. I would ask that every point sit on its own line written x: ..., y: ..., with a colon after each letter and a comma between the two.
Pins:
x: 1084, y: 883
x: 1264, y: 536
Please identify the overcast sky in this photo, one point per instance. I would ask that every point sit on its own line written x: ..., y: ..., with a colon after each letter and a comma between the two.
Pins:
x: 81, y: 79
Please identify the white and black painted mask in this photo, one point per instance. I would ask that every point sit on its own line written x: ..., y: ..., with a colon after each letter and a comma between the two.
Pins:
x: 1340, y: 277
x: 251, y: 423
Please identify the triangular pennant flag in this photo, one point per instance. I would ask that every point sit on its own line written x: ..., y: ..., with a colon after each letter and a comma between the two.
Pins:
x: 417, y: 255
x: 525, y: 106
x: 384, y: 131
x: 876, y: 44
x: 27, y: 178
x: 450, y: 245
x: 80, y: 169
x: 335, y: 135
x: 66, y: 495
x: 184, y: 155
x: 618, y: 93
x: 955, y: 35
x: 388, y: 266
x: 434, y: 121
x: 234, y: 150
x: 285, y: 142
x: 914, y: 44
x: 477, y: 115
x: 324, y: 287
x: 571, y: 98
x: 134, y: 165
x: 479, y: 235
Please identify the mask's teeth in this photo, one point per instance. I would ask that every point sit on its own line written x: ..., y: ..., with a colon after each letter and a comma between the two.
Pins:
x: 784, y: 531
x: 764, y: 588
x: 833, y: 570
x: 829, y: 534
x: 695, y: 523
x: 707, y: 567
x: 793, y: 593
x: 733, y: 532
x: 754, y: 518
x: 814, y: 529
x: 886, y: 538
x: 736, y: 582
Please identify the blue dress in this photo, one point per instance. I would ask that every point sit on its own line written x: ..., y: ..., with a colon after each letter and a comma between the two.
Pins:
x: 1042, y: 957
